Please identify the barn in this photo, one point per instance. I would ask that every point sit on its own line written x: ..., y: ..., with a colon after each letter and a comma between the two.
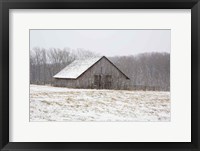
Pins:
x: 93, y: 73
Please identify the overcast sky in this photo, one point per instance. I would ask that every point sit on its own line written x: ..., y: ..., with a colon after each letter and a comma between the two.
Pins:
x: 104, y: 42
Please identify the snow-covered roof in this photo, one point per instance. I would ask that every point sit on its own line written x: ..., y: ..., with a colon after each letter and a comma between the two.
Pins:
x: 76, y: 68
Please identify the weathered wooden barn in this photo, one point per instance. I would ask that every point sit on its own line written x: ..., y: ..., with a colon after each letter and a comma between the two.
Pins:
x: 94, y: 73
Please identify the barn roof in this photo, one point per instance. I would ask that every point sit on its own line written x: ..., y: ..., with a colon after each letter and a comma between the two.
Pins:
x: 78, y: 67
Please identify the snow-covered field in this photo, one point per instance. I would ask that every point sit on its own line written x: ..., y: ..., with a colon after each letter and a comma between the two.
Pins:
x: 49, y: 103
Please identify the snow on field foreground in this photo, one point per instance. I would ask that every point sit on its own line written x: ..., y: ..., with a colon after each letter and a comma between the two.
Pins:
x: 73, y: 105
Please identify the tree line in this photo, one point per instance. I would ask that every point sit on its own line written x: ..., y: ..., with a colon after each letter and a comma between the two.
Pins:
x: 146, y: 69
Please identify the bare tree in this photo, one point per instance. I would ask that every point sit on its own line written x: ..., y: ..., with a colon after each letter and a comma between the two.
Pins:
x: 146, y: 70
x: 84, y: 54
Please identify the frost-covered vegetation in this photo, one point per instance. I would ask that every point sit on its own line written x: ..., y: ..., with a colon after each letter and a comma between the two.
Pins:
x: 49, y: 103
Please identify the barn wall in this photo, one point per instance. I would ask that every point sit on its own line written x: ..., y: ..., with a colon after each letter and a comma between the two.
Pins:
x: 103, y: 67
x: 65, y: 83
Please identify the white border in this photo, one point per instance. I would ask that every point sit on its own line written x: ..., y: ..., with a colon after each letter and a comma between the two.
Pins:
x: 178, y: 130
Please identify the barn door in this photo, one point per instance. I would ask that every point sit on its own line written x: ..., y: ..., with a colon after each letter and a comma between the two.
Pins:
x: 102, y: 82
x: 108, y: 79
x: 97, y: 81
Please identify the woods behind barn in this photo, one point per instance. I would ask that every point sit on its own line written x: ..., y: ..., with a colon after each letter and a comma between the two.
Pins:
x: 146, y: 71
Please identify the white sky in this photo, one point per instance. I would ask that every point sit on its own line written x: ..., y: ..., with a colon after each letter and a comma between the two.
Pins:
x: 104, y: 42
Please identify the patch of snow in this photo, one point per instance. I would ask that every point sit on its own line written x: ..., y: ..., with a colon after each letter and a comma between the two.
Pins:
x: 49, y: 103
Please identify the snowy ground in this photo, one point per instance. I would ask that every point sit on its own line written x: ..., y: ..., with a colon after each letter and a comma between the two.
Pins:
x: 73, y: 105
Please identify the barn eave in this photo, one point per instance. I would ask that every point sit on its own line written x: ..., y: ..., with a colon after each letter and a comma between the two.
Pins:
x: 65, y: 78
